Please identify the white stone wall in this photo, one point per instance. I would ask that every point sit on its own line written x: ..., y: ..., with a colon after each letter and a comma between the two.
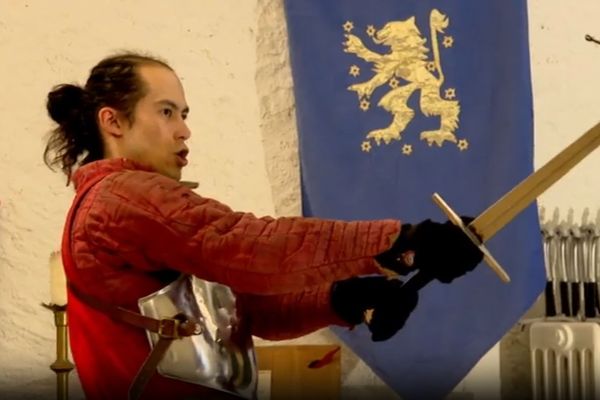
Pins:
x: 232, y: 58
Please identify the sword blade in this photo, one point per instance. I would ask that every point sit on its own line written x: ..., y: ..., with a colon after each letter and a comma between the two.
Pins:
x: 512, y: 203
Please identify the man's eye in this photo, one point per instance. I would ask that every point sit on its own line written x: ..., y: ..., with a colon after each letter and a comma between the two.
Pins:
x: 167, y: 112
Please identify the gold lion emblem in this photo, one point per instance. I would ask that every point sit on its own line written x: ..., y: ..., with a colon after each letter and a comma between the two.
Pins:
x: 406, y: 68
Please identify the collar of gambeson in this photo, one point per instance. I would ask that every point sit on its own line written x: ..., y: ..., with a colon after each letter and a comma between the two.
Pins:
x: 104, y: 167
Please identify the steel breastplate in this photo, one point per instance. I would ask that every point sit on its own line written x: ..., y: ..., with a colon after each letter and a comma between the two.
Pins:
x: 220, y: 357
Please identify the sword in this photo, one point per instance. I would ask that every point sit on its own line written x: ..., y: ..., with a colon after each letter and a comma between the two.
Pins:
x: 519, y: 197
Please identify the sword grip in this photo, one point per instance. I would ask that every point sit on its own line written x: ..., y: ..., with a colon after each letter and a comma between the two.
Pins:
x: 487, y: 256
x: 418, y: 281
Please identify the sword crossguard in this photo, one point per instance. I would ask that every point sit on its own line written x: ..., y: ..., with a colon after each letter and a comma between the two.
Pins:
x: 487, y: 256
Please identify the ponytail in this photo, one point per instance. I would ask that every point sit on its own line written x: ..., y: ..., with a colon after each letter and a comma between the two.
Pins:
x: 76, y: 137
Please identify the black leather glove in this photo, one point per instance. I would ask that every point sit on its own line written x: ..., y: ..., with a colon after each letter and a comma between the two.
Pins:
x: 391, y: 303
x: 441, y: 251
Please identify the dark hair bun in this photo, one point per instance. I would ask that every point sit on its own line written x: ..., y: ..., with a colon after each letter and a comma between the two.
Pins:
x: 65, y: 102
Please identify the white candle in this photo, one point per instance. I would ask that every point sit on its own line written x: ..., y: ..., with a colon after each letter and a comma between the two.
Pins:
x: 58, y: 281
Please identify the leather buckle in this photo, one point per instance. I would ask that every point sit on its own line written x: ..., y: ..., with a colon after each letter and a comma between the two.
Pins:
x: 168, y: 328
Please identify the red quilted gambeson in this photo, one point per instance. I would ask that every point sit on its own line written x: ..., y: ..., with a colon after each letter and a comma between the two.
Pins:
x: 134, y: 231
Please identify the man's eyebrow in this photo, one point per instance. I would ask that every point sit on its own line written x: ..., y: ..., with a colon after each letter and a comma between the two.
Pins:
x: 172, y: 104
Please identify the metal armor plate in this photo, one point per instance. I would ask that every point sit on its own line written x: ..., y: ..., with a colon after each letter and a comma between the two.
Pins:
x: 222, y: 355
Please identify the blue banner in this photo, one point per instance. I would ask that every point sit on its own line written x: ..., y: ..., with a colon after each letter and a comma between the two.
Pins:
x: 400, y: 99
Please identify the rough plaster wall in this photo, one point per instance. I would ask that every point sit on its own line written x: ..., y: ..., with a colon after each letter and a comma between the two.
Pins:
x: 276, y: 107
x: 565, y: 91
x: 243, y: 143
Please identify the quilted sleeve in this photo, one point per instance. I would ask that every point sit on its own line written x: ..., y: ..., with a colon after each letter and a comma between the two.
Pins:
x: 288, y: 316
x: 153, y: 222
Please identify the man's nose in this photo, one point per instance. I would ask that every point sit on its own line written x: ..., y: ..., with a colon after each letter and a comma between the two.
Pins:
x: 184, y: 132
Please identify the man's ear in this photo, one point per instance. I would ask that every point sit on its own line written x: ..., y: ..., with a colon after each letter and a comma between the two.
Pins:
x: 110, y: 122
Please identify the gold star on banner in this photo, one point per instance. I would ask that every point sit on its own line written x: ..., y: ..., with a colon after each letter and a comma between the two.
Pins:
x: 448, y: 41
x: 366, y: 146
x: 407, y: 149
x: 364, y: 105
x: 463, y: 144
x: 450, y: 93
x: 354, y: 70
x: 348, y: 26
x: 370, y: 30
x: 430, y: 66
x: 394, y: 83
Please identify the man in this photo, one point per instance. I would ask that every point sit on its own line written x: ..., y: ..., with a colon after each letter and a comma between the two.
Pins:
x: 134, y: 228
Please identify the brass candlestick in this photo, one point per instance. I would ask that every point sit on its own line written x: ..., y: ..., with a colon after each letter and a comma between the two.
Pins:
x: 61, y: 366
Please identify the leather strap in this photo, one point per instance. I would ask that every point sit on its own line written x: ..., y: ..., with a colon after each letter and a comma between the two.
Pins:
x: 168, y: 329
x: 148, y: 368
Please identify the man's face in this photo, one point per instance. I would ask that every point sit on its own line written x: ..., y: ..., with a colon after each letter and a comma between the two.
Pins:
x: 158, y: 133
